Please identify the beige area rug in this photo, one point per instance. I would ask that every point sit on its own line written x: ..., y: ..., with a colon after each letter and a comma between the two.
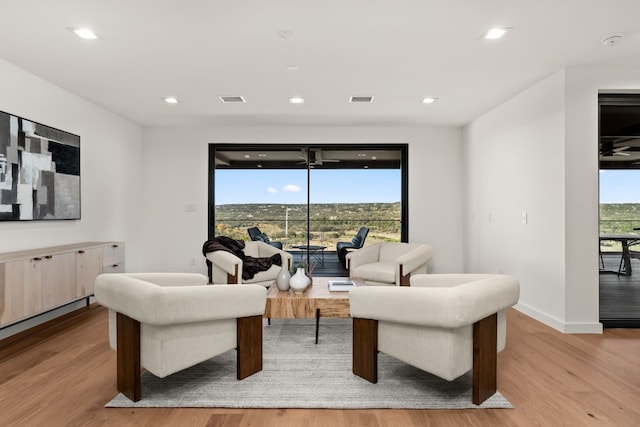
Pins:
x: 297, y: 373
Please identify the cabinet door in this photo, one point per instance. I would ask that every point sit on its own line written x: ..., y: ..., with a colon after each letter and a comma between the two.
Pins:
x: 88, y: 267
x: 20, y: 289
x: 58, y: 279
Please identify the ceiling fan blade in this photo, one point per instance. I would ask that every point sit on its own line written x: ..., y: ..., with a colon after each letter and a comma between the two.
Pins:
x: 319, y: 160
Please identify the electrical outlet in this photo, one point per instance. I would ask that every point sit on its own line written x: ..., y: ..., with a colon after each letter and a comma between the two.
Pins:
x: 192, y: 261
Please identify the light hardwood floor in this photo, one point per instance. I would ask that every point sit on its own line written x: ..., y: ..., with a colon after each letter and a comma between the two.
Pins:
x: 64, y: 376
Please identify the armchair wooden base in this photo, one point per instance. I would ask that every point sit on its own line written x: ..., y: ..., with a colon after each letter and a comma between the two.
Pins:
x: 249, y: 356
x: 128, y: 357
x: 365, y: 354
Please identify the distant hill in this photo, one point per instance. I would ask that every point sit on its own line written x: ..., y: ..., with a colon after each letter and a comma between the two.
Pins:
x: 619, y: 217
x: 329, y: 222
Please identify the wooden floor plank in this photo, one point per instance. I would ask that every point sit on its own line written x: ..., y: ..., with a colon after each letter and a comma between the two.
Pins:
x: 550, y: 377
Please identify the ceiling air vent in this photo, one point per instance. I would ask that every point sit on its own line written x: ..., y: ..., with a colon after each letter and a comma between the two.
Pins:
x: 230, y: 99
x: 361, y: 99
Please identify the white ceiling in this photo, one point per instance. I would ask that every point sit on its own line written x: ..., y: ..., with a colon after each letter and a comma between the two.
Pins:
x: 398, y: 51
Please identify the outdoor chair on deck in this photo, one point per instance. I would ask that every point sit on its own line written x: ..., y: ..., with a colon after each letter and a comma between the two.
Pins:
x: 258, y: 236
x: 343, y: 248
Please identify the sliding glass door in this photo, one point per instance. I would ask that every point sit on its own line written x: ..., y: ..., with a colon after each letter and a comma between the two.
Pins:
x: 306, y: 196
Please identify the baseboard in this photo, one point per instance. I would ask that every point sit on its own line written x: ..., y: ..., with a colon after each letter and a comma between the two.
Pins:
x: 564, y: 327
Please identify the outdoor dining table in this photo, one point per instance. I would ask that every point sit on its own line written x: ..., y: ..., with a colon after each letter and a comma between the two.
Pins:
x: 626, y: 240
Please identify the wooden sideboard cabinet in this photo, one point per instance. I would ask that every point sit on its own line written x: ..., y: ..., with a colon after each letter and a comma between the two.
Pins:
x: 39, y: 280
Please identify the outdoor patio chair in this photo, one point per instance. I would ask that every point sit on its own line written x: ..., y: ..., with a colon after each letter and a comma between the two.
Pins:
x: 343, y: 248
x: 258, y: 236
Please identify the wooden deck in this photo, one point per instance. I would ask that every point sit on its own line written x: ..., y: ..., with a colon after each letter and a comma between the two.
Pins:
x: 619, y: 294
x: 331, y: 267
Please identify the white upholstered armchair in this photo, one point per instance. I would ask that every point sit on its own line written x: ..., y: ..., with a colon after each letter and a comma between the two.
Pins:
x: 166, y: 322
x: 445, y: 324
x: 388, y: 263
x: 227, y: 268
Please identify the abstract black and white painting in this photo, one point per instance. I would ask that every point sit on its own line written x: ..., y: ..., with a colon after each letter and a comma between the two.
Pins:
x: 39, y: 171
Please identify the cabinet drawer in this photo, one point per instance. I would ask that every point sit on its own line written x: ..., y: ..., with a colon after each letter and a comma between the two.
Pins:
x: 113, y: 268
x: 113, y: 254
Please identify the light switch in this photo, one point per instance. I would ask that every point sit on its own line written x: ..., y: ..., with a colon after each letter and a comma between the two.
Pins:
x: 525, y: 217
x: 190, y: 208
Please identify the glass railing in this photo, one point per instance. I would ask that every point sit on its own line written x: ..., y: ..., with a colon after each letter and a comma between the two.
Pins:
x: 293, y: 232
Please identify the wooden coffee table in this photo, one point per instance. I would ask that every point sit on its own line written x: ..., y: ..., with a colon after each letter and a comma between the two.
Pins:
x: 317, y: 301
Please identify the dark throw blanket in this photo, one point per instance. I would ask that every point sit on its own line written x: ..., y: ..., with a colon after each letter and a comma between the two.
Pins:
x: 250, y: 265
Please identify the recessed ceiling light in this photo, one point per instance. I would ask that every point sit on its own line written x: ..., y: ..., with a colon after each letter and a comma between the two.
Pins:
x: 495, y: 33
x: 171, y: 100
x: 262, y: 155
x: 232, y: 99
x: 296, y: 100
x: 292, y: 68
x: 246, y: 156
x: 612, y: 40
x: 84, y: 33
x: 429, y: 100
x: 362, y: 155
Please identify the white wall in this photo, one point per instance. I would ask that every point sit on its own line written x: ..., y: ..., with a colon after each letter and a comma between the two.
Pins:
x: 538, y: 153
x: 175, y: 174
x: 110, y: 160
x: 514, y: 163
x: 111, y: 153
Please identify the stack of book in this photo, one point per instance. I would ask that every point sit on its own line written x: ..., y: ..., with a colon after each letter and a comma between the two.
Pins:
x: 343, y: 285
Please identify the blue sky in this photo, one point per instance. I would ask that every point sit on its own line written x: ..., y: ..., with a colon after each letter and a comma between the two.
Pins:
x: 620, y: 186
x: 290, y: 186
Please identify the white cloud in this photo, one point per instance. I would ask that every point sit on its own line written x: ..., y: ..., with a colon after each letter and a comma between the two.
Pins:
x: 271, y: 190
x: 291, y: 188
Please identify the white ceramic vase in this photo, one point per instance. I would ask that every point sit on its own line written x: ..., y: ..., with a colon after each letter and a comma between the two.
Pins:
x: 298, y: 281
x: 282, y: 281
